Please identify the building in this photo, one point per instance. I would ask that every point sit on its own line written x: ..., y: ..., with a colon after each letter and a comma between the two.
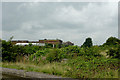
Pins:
x: 19, y: 41
x: 51, y: 41
x: 41, y: 42
x: 68, y: 43
x: 38, y: 43
x: 24, y: 44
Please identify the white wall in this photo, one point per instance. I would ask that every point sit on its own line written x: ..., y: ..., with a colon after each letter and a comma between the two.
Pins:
x: 38, y: 44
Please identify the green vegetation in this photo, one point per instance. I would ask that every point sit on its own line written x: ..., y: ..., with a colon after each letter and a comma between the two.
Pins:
x: 87, y: 43
x: 87, y: 61
x: 112, y: 41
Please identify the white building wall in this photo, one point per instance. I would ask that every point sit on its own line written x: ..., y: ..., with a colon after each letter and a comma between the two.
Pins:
x: 37, y: 44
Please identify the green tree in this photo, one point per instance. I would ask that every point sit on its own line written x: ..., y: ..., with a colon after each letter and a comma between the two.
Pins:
x: 47, y: 45
x: 58, y: 45
x: 11, y: 38
x: 87, y: 43
x: 8, y: 51
x: 112, y: 41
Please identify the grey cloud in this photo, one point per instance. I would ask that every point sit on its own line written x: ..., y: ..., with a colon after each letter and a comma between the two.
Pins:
x: 68, y: 21
x: 14, y: 14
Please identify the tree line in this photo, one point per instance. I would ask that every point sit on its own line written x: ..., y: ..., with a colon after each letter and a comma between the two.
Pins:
x: 10, y: 51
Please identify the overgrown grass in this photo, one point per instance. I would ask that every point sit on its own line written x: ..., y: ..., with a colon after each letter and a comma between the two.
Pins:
x: 81, y: 67
x: 80, y: 62
x: 50, y: 68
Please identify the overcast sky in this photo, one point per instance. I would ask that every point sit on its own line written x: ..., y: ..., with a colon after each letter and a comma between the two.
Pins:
x: 68, y: 21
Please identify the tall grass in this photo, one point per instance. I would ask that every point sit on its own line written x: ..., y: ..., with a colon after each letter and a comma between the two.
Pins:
x: 80, y: 67
x: 50, y: 68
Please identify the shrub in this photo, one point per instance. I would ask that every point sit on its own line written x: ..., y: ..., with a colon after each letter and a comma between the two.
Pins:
x: 114, y: 52
x: 55, y: 55
x: 88, y: 66
x: 92, y: 51
x: 48, y: 45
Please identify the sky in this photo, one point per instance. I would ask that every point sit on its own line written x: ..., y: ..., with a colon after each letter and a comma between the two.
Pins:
x: 68, y: 21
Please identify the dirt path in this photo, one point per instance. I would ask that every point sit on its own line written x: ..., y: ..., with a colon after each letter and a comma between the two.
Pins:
x: 24, y: 74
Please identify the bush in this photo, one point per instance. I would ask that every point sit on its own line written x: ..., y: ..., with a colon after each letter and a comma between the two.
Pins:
x: 92, y: 51
x: 55, y: 55
x: 114, y: 52
x: 38, y: 55
x: 48, y: 45
x: 88, y: 66
x: 71, y: 49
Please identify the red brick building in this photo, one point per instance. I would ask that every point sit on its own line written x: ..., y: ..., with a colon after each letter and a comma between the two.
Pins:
x: 20, y: 41
x: 51, y: 41
x: 42, y: 42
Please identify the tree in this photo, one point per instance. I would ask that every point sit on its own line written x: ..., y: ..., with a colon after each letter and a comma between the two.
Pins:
x: 87, y: 43
x: 112, y: 41
x: 8, y: 51
x: 58, y: 45
x: 47, y: 45
x: 11, y: 38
